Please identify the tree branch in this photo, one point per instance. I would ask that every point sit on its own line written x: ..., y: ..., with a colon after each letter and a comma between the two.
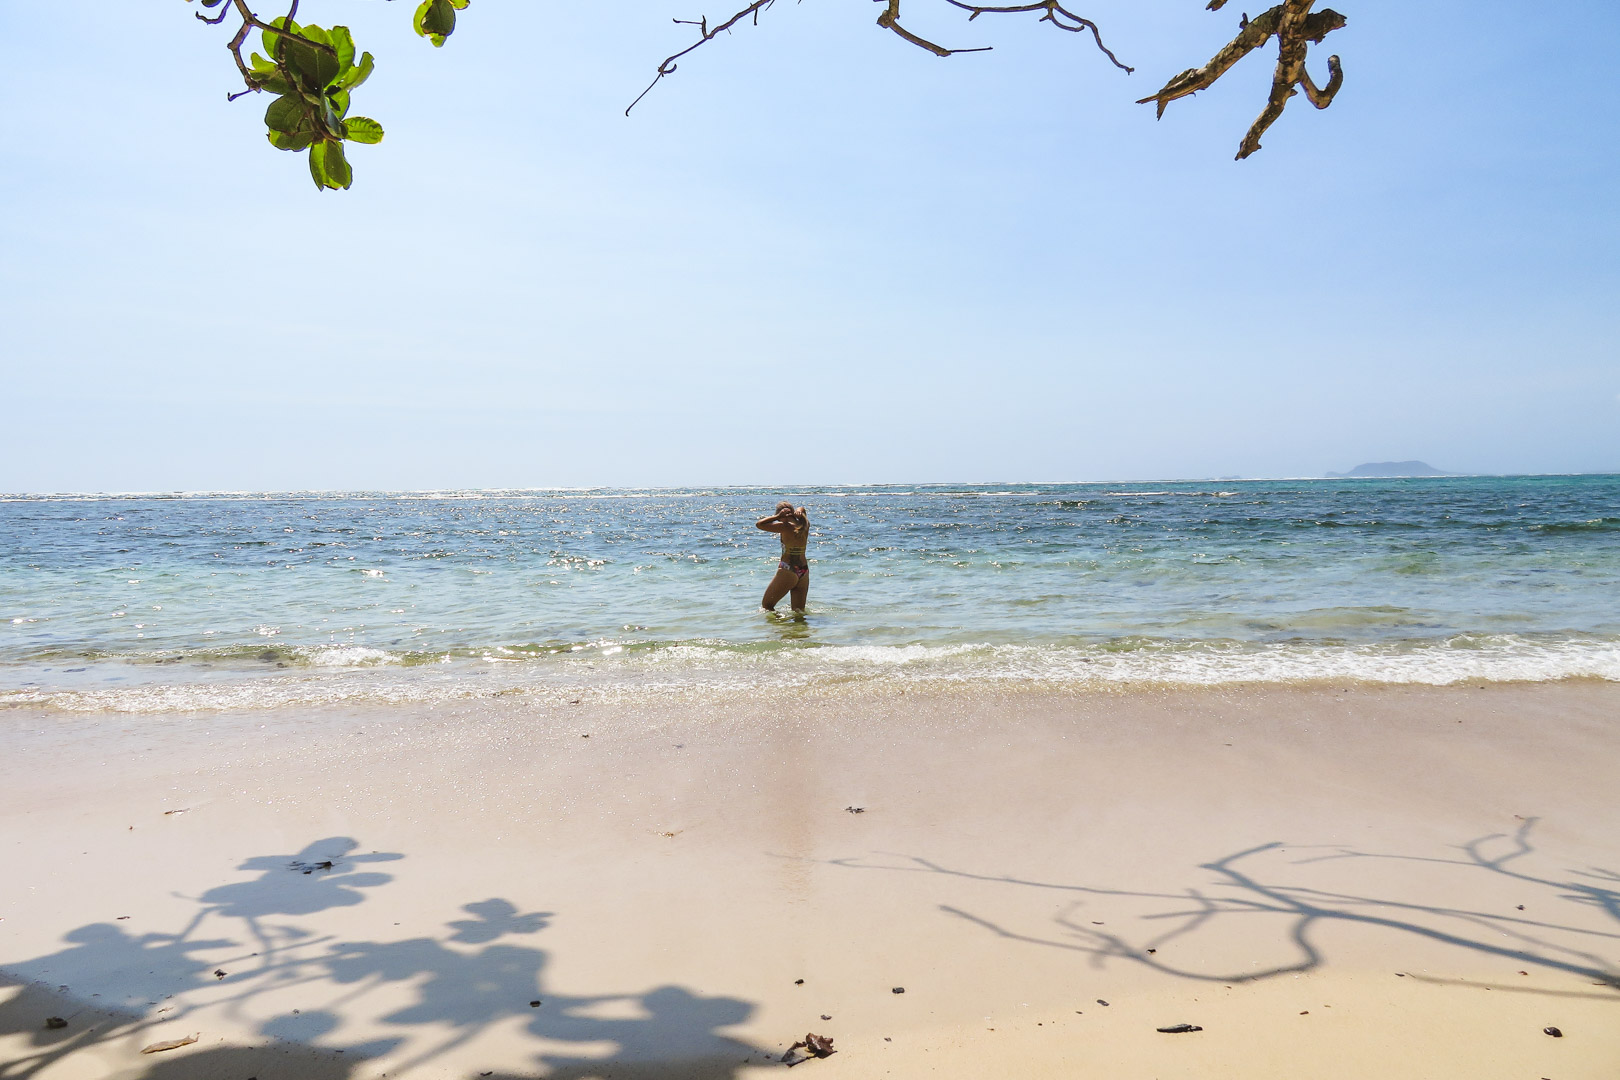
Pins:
x: 250, y: 22
x: 1296, y: 28
x: 889, y: 19
x: 1055, y: 14
x: 705, y: 35
x: 1324, y: 97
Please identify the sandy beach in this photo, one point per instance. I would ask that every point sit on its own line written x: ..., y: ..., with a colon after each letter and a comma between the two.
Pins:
x: 1329, y: 882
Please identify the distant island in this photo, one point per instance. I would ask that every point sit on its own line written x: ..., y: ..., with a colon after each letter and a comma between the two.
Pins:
x: 1392, y: 468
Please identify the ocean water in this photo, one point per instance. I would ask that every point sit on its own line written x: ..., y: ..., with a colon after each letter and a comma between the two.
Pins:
x: 244, y: 600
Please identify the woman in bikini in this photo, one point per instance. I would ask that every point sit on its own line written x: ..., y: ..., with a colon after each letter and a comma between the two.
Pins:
x: 793, y: 570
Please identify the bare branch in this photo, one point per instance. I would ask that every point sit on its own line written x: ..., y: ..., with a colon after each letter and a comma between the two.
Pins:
x: 1324, y: 97
x: 1052, y: 11
x: 216, y: 20
x: 1056, y: 13
x: 1296, y: 28
x: 235, y: 47
x: 889, y: 19
x: 705, y: 35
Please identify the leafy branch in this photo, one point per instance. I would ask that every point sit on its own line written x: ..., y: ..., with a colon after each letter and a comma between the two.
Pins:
x: 312, y: 71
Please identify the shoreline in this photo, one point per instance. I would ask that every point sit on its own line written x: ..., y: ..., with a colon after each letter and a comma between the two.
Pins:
x: 659, y: 875
x: 705, y: 673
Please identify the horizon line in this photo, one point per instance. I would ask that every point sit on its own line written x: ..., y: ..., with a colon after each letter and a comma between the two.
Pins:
x: 556, y: 489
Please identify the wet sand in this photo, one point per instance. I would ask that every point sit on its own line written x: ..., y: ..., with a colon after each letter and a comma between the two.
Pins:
x: 1330, y: 882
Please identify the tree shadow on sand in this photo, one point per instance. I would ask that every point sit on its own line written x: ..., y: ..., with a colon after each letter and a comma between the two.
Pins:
x: 1246, y: 887
x: 461, y: 983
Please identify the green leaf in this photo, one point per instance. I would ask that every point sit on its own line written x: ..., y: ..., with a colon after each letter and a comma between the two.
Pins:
x: 358, y: 74
x: 460, y: 5
x: 362, y: 129
x: 287, y: 113
x: 274, y: 82
x: 340, y: 40
x: 340, y: 102
x: 335, y: 165
x: 296, y: 140
x: 312, y: 67
x: 317, y: 165
x: 328, y: 167
x: 272, y: 42
x: 435, y: 20
x: 259, y: 63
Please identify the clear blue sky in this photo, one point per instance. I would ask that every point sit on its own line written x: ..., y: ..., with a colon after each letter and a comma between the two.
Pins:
x: 816, y: 254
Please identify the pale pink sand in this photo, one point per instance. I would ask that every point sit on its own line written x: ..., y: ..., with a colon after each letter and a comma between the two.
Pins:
x: 1330, y: 882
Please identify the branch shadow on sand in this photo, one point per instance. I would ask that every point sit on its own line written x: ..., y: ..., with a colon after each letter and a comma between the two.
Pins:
x: 247, y: 951
x: 1249, y: 886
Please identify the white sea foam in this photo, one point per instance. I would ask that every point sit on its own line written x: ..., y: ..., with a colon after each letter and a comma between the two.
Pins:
x: 688, y: 669
x: 347, y: 656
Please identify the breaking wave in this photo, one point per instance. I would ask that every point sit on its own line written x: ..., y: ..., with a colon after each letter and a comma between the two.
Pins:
x: 343, y: 675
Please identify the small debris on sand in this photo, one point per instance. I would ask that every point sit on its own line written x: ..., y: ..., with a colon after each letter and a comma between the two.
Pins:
x: 798, y: 982
x: 172, y: 1044
x: 182, y: 810
x: 1179, y: 1029
x: 534, y: 1004
x: 55, y: 1022
x: 1554, y: 1032
x: 898, y: 990
x: 824, y: 1016
x: 815, y: 1045
x: 1100, y: 1001
x: 856, y: 809
x: 219, y: 973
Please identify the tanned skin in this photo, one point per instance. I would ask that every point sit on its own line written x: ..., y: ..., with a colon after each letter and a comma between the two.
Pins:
x: 793, y: 525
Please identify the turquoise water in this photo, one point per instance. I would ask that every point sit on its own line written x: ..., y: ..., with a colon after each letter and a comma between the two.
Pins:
x: 141, y: 602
